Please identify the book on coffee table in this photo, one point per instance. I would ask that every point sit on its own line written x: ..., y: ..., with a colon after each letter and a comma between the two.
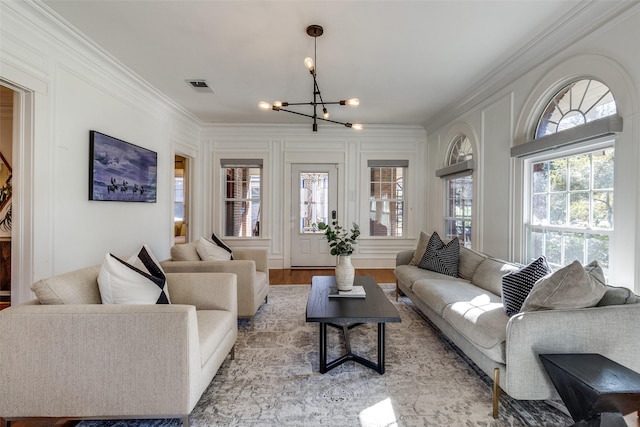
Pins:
x: 355, y: 292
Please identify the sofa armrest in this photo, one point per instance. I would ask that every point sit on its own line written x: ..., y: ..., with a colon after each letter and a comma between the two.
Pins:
x: 205, y: 291
x: 609, y: 331
x: 95, y: 359
x: 404, y: 257
x: 259, y: 256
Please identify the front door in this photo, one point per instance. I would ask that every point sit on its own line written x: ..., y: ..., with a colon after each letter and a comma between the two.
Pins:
x: 314, y: 200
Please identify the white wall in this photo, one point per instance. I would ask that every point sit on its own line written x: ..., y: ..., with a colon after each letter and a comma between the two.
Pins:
x: 507, y: 118
x: 282, y: 146
x: 69, y: 88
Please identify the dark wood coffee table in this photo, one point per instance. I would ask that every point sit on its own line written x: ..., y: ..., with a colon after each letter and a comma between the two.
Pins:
x: 350, y: 312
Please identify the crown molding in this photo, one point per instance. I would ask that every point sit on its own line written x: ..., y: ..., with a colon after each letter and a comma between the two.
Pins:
x: 38, y: 15
x: 575, y: 25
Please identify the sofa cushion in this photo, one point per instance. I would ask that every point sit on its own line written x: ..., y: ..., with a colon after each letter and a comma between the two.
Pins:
x: 215, y: 239
x: 517, y: 285
x: 75, y: 287
x: 616, y: 295
x: 186, y: 252
x: 439, y: 293
x: 420, y: 249
x: 488, y: 275
x: 469, y: 261
x: 139, y: 280
x: 409, y: 274
x: 213, y: 326
x: 209, y: 251
x: 573, y: 286
x: 440, y: 257
x: 481, y: 320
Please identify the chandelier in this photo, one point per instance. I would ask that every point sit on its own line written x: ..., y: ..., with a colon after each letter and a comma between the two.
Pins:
x: 314, y: 31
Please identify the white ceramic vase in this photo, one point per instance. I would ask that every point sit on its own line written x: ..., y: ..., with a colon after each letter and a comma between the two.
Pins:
x: 344, y: 273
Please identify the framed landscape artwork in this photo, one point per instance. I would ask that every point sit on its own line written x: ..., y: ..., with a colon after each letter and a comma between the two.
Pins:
x: 120, y: 171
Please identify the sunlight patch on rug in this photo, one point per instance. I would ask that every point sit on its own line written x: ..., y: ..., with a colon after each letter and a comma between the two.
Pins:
x: 380, y: 414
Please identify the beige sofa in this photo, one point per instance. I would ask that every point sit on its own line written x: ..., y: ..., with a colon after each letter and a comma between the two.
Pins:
x: 78, y: 358
x: 468, y: 309
x: 251, y: 266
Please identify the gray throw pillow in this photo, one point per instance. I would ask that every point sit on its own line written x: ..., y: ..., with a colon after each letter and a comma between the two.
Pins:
x: 617, y: 295
x: 573, y: 286
x: 420, y: 249
x: 516, y: 285
x: 441, y: 258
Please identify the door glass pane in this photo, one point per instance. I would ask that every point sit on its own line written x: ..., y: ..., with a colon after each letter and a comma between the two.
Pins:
x: 314, y: 200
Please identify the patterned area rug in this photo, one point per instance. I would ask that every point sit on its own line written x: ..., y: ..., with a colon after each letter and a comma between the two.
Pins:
x: 274, y: 379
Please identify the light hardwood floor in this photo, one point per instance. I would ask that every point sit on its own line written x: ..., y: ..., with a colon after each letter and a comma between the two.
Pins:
x: 276, y: 277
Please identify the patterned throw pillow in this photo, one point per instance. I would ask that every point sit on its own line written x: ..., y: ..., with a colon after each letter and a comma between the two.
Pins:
x: 517, y: 284
x: 441, y: 258
x: 139, y: 280
x: 215, y: 239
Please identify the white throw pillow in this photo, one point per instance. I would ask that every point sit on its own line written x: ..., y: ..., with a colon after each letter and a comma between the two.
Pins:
x: 209, y: 251
x: 139, y: 280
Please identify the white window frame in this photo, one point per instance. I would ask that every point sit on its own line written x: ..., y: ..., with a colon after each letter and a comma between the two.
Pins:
x: 456, y: 168
x: 226, y: 163
x: 454, y: 218
x: 401, y: 164
x: 582, y: 148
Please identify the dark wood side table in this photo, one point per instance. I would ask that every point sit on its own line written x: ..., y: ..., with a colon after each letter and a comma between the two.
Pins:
x: 351, y: 312
x: 596, y: 390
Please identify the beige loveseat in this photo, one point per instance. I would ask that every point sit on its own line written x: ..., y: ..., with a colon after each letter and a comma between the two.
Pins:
x: 251, y: 266
x: 78, y: 358
x: 468, y: 309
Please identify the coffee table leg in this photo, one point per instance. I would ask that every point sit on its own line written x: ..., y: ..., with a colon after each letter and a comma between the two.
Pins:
x: 323, y: 347
x: 381, y: 348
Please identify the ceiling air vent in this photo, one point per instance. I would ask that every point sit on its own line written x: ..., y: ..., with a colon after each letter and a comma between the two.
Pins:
x: 200, y: 86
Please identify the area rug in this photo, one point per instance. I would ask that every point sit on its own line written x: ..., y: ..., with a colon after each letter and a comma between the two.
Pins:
x: 275, y: 380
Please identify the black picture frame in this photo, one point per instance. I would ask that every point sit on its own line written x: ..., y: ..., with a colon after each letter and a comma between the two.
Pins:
x: 120, y: 171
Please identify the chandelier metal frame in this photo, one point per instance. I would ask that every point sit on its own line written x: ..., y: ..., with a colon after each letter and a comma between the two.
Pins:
x: 314, y: 31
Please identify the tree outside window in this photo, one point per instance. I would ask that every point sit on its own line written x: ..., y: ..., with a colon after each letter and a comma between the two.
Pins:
x: 572, y: 208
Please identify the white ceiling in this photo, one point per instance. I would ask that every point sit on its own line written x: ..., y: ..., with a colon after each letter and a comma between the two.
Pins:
x: 407, y: 61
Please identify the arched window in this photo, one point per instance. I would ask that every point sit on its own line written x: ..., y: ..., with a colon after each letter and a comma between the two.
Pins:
x: 575, y: 104
x: 571, y: 194
x: 459, y: 198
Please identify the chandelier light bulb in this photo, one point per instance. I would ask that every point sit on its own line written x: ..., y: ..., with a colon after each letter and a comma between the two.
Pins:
x: 325, y: 113
x: 264, y: 105
x: 353, y: 102
x: 357, y: 126
x: 277, y: 103
x: 308, y: 62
